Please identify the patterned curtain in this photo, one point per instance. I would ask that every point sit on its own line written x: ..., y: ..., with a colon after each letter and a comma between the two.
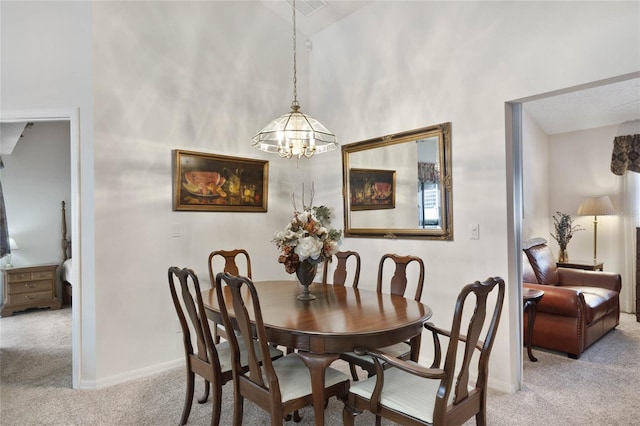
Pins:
x: 428, y: 173
x: 626, y: 154
x: 4, y: 231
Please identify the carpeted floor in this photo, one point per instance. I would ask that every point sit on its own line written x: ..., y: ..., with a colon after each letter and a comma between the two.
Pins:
x: 35, y: 385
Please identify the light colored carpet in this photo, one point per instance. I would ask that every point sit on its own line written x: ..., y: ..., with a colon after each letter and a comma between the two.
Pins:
x: 601, y: 387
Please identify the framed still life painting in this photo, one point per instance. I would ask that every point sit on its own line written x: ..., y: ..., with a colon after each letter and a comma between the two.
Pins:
x: 372, y: 189
x: 210, y: 182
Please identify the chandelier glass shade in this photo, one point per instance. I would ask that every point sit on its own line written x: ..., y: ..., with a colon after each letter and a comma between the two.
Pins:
x: 295, y: 134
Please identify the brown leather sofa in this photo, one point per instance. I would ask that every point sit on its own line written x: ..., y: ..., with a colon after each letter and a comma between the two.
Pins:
x: 578, y: 306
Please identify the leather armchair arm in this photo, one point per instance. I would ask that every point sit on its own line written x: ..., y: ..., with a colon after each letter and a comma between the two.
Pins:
x: 582, y: 278
x: 558, y: 300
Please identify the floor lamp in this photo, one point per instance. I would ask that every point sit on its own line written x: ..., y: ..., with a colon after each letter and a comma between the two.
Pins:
x: 596, y: 206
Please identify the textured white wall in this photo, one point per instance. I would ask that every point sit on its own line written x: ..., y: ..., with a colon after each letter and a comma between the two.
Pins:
x: 395, y: 66
x: 202, y: 76
x: 535, y: 180
x: 579, y: 166
x: 207, y: 75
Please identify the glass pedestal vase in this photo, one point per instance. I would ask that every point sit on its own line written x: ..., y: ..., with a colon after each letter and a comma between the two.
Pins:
x: 306, y: 272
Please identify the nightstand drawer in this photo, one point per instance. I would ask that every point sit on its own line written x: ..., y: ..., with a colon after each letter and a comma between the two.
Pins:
x: 25, y: 298
x: 30, y: 287
x: 14, y: 277
x: 42, y: 275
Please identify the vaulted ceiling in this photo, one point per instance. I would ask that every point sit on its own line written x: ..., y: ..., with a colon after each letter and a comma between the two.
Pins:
x: 561, y: 112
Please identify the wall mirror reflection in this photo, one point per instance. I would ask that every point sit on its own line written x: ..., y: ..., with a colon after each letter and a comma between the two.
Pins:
x: 399, y: 185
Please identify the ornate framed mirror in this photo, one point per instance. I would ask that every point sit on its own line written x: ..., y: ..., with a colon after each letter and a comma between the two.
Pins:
x: 399, y: 185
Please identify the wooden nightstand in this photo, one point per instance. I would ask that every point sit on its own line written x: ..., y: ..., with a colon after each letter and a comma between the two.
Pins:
x: 588, y: 265
x: 29, y: 287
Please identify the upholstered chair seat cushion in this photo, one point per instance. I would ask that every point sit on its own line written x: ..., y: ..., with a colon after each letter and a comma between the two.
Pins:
x: 293, y: 376
x: 404, y: 392
x: 224, y: 354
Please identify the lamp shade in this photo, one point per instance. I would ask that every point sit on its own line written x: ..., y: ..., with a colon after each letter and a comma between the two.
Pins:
x: 596, y: 206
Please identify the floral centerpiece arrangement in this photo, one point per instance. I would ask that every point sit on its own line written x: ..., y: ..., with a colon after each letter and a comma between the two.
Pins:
x: 306, y: 241
x: 564, y: 232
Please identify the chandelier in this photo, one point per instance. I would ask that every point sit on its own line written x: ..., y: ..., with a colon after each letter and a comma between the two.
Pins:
x: 295, y: 133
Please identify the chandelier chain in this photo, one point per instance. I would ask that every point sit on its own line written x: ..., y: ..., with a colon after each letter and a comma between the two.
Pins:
x: 295, y: 79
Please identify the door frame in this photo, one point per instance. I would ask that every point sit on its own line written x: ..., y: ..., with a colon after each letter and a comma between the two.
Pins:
x: 72, y: 116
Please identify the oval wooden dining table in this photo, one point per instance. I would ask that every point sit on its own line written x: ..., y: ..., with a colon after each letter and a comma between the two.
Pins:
x: 338, y: 320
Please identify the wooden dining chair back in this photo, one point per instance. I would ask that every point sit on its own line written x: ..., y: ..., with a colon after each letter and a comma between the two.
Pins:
x: 279, y: 387
x: 233, y: 259
x: 411, y: 394
x: 397, y: 285
x: 399, y: 282
x: 343, y: 260
x: 202, y: 356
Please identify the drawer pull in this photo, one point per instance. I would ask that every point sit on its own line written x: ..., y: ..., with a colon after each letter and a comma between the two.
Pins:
x: 31, y: 285
x: 31, y: 297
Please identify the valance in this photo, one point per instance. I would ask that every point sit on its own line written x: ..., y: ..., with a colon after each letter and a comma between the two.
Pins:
x: 626, y: 154
x: 428, y: 173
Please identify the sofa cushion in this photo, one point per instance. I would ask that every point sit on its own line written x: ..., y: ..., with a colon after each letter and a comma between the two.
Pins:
x: 599, y: 301
x: 528, y: 276
x: 543, y: 264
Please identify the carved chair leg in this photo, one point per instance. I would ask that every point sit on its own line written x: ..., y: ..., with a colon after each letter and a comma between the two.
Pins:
x: 348, y: 415
x: 188, y: 399
x: 238, y: 409
x: 205, y: 395
x: 216, y: 400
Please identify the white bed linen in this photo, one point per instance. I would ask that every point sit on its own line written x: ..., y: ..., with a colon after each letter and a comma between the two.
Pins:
x: 66, y: 271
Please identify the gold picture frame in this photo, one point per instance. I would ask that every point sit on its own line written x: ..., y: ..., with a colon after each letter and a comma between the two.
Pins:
x: 372, y: 189
x: 218, y: 183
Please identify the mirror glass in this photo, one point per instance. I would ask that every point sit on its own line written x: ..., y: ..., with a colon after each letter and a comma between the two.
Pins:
x: 399, y: 186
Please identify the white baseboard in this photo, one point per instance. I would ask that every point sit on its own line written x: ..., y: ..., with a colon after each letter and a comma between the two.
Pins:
x: 131, y: 375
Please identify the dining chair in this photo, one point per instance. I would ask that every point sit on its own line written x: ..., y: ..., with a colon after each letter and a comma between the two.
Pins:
x: 210, y: 361
x: 231, y: 260
x: 397, y: 285
x: 279, y: 386
x: 340, y: 271
x: 412, y: 394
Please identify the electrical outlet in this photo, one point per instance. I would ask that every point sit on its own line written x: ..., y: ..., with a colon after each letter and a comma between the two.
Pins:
x: 474, y: 231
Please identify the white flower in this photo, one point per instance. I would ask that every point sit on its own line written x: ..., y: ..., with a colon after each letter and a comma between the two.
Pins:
x: 333, y: 247
x: 309, y: 247
x: 304, y: 216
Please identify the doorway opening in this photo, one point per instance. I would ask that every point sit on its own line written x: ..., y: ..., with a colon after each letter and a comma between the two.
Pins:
x: 556, y: 104
x: 73, y: 214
